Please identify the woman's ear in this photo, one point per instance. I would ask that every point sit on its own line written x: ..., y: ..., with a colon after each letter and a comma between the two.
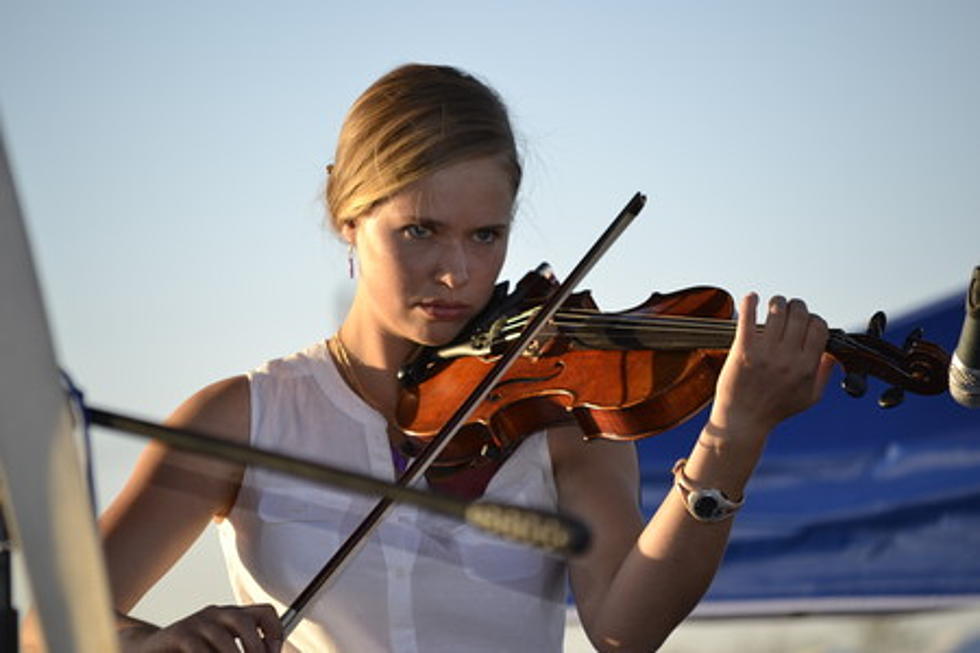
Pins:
x: 348, y: 231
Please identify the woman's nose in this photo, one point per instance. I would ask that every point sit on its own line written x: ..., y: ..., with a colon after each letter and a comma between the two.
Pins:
x: 454, y: 266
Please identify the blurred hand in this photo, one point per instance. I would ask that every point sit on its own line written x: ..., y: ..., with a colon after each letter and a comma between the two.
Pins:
x: 215, y: 628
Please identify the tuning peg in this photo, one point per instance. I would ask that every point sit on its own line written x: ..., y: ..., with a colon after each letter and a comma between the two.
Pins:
x: 876, y: 325
x: 891, y: 397
x: 895, y: 395
x: 855, y: 384
x: 856, y: 381
x: 913, y: 337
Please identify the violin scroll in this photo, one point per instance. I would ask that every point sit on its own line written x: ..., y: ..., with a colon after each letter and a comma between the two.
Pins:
x: 917, y: 366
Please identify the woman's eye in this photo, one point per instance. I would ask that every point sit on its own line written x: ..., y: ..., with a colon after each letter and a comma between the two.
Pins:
x: 486, y: 236
x: 416, y: 231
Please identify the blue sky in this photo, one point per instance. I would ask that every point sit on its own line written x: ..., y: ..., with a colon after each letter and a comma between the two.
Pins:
x: 170, y: 158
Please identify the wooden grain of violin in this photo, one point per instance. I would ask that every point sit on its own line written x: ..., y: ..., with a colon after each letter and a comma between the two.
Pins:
x: 620, y: 376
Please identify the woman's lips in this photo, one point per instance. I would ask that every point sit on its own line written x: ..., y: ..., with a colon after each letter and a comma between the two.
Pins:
x: 445, y: 311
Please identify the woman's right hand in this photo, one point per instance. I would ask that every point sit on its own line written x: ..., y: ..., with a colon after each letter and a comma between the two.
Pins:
x: 215, y: 628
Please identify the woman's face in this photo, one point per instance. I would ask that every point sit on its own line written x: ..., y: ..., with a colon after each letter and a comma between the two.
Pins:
x: 429, y: 257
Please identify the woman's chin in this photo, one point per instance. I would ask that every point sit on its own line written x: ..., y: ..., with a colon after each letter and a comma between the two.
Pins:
x: 437, y: 334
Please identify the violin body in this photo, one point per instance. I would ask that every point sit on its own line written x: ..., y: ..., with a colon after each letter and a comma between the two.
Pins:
x: 619, y: 376
x: 605, y: 379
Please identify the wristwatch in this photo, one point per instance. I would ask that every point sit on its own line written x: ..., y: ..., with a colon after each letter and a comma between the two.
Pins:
x: 704, y: 504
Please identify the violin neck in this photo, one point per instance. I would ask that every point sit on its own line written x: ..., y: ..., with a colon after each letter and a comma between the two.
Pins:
x: 668, y: 333
x: 664, y: 333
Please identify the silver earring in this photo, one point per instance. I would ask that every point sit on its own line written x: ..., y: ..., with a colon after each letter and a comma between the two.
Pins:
x: 350, y: 260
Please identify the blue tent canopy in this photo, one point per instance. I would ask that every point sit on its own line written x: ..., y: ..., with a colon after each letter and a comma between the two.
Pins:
x: 853, y: 507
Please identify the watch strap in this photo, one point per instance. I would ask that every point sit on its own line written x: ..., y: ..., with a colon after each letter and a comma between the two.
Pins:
x: 704, y: 504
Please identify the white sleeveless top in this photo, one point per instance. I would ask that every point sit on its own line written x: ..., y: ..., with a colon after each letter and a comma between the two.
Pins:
x: 422, y: 582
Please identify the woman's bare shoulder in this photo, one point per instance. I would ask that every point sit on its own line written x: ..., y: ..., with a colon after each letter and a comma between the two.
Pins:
x: 221, y: 409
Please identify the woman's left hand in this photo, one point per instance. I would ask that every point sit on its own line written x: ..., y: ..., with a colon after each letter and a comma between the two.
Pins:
x: 774, y: 373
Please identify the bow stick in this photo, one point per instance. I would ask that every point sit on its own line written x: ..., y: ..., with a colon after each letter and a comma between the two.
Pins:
x: 356, y: 540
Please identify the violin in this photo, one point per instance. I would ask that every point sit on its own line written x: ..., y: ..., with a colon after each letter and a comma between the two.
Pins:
x: 619, y: 376
x: 466, y: 406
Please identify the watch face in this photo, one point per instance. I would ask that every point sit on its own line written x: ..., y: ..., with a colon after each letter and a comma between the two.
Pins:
x: 706, y: 506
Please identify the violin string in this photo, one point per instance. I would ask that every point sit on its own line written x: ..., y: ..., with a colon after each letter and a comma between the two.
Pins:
x: 687, y: 325
x: 667, y: 323
x: 680, y: 333
x: 651, y: 326
x: 585, y: 320
x: 672, y: 331
x: 837, y: 337
x: 634, y: 322
x: 676, y: 319
x: 686, y: 333
x: 679, y: 325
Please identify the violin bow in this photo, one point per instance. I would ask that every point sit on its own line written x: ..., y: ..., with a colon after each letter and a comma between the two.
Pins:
x: 356, y: 540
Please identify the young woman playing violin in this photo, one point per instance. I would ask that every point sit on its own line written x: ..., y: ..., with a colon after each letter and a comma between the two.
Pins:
x: 423, y: 188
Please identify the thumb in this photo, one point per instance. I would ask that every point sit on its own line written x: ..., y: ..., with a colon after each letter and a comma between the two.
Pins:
x: 827, y: 363
x: 745, y: 327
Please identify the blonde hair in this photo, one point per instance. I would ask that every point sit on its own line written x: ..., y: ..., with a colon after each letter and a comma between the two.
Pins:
x: 411, y: 122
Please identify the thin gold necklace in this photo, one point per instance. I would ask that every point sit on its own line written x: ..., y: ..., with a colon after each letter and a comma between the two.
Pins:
x: 342, y: 356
